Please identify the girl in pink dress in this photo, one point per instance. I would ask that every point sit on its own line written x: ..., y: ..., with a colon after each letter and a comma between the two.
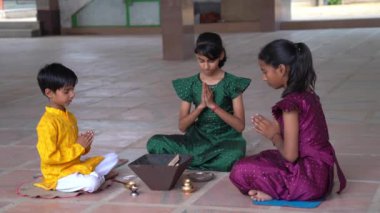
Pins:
x: 302, y: 165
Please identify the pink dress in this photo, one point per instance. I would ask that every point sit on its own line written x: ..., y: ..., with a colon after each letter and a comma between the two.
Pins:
x: 311, y: 176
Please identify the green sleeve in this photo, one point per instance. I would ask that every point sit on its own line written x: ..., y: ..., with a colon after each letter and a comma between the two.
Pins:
x: 237, y: 86
x: 183, y: 88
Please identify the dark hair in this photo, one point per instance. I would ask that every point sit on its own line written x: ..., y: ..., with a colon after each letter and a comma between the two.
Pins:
x: 210, y: 45
x: 55, y: 76
x: 297, y: 57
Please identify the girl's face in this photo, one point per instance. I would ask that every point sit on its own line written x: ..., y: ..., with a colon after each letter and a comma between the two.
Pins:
x: 208, y: 67
x: 275, y: 77
x: 61, y: 97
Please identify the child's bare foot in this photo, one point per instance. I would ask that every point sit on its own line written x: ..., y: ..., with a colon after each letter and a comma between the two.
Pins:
x: 111, y: 175
x: 121, y: 162
x: 259, y: 195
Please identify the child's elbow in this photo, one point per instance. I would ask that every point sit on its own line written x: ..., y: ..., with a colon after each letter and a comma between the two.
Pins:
x: 182, y: 129
x: 291, y: 158
x: 240, y: 128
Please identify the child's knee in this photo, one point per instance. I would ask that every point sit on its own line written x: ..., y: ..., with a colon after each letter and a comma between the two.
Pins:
x: 93, y: 182
x: 234, y: 173
x: 154, y: 143
x: 231, y: 158
x: 112, y: 157
x: 237, y: 171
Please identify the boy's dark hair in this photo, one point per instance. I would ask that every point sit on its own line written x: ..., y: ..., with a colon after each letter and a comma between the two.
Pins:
x: 210, y: 45
x: 296, y: 56
x: 55, y: 76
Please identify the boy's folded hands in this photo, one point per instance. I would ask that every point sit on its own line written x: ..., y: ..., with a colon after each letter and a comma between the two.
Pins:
x: 85, y: 139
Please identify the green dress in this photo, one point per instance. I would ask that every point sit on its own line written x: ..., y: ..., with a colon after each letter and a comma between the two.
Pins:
x: 213, y: 144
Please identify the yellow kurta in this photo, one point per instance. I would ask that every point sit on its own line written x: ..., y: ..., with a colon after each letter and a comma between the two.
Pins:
x: 59, y: 151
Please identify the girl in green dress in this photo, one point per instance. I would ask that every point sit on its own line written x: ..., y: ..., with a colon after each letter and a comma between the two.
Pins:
x: 213, y: 128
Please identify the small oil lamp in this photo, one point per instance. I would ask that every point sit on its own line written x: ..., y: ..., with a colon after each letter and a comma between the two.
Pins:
x: 187, y: 186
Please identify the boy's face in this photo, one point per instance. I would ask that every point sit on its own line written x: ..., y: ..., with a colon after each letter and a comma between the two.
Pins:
x: 61, y: 97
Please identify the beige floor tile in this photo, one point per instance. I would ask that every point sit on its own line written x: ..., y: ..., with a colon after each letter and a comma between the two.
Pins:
x: 125, y: 94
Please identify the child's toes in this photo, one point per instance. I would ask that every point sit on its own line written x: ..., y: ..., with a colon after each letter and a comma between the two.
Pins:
x: 252, y: 192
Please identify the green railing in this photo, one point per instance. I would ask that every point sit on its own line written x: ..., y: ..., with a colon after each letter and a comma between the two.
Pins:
x: 135, y: 16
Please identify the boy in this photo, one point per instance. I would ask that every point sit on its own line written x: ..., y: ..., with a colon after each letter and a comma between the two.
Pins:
x: 59, y: 145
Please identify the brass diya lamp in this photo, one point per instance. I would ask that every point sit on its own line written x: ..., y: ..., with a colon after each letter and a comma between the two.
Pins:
x: 187, y: 186
x: 131, y: 185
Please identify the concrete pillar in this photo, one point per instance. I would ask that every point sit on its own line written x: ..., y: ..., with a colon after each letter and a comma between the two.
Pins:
x: 272, y: 12
x: 48, y: 17
x: 177, y: 26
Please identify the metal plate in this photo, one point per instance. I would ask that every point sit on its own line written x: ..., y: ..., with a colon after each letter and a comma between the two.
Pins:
x: 201, y: 176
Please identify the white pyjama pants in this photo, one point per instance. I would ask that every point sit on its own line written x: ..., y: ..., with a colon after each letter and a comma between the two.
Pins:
x: 91, y: 182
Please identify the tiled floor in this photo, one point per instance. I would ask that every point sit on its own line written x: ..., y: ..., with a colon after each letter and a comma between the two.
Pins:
x: 305, y: 10
x: 125, y: 94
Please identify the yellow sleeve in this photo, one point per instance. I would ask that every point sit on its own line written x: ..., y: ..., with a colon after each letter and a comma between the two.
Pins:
x: 53, y: 151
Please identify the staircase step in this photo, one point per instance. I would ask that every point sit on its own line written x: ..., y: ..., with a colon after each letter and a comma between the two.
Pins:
x: 19, y: 25
x: 19, y: 33
x: 20, y: 13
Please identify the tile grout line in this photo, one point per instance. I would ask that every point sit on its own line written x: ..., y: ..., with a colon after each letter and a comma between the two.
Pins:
x: 363, y: 181
x: 192, y: 199
x: 105, y: 200
x: 217, y: 208
x: 374, y: 206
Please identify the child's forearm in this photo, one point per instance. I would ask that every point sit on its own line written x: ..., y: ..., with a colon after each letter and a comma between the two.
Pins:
x: 189, y: 119
x: 235, y: 122
x: 278, y: 142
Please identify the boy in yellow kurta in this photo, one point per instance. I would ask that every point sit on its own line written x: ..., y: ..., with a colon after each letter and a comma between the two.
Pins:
x: 59, y: 145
